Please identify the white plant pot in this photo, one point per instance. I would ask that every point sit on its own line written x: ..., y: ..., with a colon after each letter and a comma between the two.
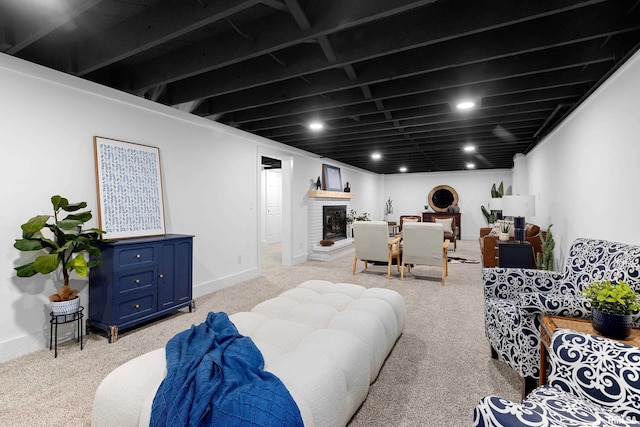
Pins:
x: 503, y: 237
x: 65, y: 307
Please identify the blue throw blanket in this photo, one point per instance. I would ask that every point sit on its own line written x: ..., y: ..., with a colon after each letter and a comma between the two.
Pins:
x: 215, y: 377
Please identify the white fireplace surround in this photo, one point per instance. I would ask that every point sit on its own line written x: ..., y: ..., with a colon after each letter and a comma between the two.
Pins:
x: 340, y: 247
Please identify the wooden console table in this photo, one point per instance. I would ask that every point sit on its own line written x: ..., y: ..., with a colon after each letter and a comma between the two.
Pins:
x: 429, y: 216
x: 548, y: 324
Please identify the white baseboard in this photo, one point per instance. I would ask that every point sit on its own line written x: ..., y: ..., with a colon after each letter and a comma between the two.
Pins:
x: 224, y: 282
x: 34, y: 341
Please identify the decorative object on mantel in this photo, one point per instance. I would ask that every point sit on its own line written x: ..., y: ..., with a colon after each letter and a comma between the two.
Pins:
x: 129, y: 184
x: 331, y: 178
x: 318, y: 184
x: 60, y: 239
x: 347, y: 189
x: 326, y: 242
x: 612, y: 305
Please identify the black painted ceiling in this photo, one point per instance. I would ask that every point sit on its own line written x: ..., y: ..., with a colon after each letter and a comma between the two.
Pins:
x: 383, y: 75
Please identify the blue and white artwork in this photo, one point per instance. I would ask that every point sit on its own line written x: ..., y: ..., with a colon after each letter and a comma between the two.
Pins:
x: 130, y: 189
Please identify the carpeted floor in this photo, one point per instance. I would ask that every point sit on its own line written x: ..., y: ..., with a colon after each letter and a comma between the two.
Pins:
x: 435, y: 375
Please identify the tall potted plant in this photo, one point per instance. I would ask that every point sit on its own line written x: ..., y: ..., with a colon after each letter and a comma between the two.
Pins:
x: 65, y: 245
x: 496, y: 193
x: 388, y: 210
x: 612, y: 305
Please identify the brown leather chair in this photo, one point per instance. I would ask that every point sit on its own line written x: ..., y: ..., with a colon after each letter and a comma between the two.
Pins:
x: 413, y: 218
x: 450, y: 235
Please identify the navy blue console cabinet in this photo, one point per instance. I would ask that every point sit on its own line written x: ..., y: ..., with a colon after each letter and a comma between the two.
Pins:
x: 140, y: 279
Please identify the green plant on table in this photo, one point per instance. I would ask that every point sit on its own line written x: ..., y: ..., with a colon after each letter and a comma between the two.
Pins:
x: 388, y: 209
x: 64, y: 243
x: 505, y: 227
x: 615, y: 298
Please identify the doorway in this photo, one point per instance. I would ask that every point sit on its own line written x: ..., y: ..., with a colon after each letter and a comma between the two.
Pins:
x: 271, y: 239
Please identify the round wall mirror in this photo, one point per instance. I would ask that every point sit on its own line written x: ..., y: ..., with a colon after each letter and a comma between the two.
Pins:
x: 441, y: 197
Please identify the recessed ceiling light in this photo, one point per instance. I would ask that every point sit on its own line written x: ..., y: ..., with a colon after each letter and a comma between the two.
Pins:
x: 465, y: 105
x: 403, y: 169
x: 316, y: 126
x: 376, y: 156
x: 469, y: 148
x: 471, y: 165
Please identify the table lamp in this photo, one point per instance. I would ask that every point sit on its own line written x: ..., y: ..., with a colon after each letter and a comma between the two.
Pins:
x: 518, y: 207
x: 495, y: 204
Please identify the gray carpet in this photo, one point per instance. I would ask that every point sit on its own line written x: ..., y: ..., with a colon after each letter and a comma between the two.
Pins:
x: 435, y: 375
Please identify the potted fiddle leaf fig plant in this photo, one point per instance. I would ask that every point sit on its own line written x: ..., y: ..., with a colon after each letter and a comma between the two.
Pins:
x: 612, y: 305
x: 64, y: 244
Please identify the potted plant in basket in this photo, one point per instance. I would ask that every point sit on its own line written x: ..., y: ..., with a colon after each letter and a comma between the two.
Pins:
x: 612, y: 305
x: 65, y: 245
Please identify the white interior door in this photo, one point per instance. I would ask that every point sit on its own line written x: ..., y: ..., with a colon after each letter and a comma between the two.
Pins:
x: 273, y: 220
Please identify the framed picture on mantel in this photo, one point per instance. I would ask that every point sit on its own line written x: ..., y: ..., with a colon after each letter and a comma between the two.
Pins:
x: 331, y: 178
x: 129, y: 185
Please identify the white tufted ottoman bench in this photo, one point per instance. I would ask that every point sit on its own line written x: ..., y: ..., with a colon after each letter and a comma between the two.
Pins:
x: 326, y: 342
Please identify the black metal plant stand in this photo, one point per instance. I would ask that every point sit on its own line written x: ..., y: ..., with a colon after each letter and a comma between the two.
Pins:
x: 59, y: 319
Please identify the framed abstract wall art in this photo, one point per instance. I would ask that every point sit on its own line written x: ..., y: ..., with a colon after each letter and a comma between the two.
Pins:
x: 331, y: 178
x: 129, y: 185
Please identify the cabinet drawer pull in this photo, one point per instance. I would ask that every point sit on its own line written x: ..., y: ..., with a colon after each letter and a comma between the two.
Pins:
x: 136, y: 306
x: 138, y: 256
x: 137, y: 281
x: 161, y: 276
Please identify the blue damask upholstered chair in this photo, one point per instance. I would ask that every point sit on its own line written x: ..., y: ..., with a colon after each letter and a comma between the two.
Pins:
x: 593, y: 381
x: 515, y: 298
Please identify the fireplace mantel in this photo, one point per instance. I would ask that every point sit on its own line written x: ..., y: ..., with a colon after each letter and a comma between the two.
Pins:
x: 330, y: 194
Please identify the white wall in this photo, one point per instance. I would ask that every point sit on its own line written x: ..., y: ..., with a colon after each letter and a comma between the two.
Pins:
x: 585, y: 174
x: 49, y: 120
x: 409, y: 194
x: 210, y: 175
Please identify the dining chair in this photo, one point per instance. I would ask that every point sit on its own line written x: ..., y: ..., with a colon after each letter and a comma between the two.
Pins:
x: 372, y: 243
x: 422, y: 244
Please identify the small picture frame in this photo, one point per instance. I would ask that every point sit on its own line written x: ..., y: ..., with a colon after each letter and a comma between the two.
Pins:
x: 331, y: 178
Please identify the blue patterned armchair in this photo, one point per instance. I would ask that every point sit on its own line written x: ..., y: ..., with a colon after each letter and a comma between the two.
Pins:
x: 515, y: 298
x: 593, y: 381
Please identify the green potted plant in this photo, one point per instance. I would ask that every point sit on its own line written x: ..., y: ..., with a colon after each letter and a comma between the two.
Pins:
x: 504, y: 231
x: 388, y: 209
x: 544, y: 259
x: 612, y: 305
x: 492, y: 215
x: 64, y: 244
x: 353, y: 216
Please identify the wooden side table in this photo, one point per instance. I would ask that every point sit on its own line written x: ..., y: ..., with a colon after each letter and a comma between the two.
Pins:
x: 548, y: 324
x: 393, y: 228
